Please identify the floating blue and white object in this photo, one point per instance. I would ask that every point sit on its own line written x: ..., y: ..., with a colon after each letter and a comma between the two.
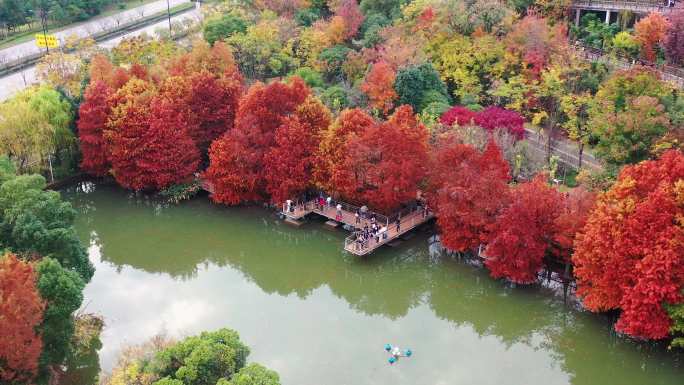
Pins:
x: 396, y: 353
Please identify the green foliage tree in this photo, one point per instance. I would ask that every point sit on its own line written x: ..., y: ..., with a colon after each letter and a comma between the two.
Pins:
x: 34, y: 221
x: 260, y: 51
x: 433, y: 97
x: 34, y: 125
x: 13, y: 13
x: 371, y: 27
x: 307, y: 16
x: 202, y: 359
x: 171, y: 381
x: 60, y: 12
x: 470, y: 66
x: 676, y: 313
x: 625, y: 44
x: 628, y: 136
x: 412, y: 84
x: 335, y: 97
x: 253, y: 374
x: 627, y: 115
x: 312, y: 78
x: 62, y: 291
x: 333, y: 58
x: 223, y: 27
x: 391, y: 9
x: 7, y: 169
x: 595, y: 32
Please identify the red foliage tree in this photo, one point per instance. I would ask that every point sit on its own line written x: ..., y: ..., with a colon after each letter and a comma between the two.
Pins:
x: 149, y: 141
x: 21, y: 312
x: 458, y: 115
x: 214, y: 101
x: 577, y: 205
x: 380, y: 172
x: 331, y: 151
x: 236, y: 159
x: 119, y: 78
x: 139, y: 71
x: 93, y: 114
x: 523, y: 233
x: 208, y: 103
x: 350, y: 12
x: 426, y: 19
x: 630, y: 254
x: 649, y: 32
x: 494, y: 117
x: 288, y: 164
x: 674, y: 41
x: 537, y: 43
x: 469, y: 190
x: 379, y: 86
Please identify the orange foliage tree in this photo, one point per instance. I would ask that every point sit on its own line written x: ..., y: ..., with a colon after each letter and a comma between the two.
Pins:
x: 21, y: 312
x: 236, y: 160
x: 630, y: 254
x: 650, y: 32
x: 468, y: 191
x: 93, y: 113
x: 379, y: 86
x: 217, y: 60
x: 289, y: 163
x: 331, y: 150
x: 385, y: 165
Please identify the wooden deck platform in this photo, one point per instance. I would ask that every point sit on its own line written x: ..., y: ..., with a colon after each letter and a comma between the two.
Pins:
x: 410, y: 219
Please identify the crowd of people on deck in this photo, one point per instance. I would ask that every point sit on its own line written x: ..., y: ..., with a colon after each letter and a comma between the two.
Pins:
x: 375, y: 232
x: 367, y: 229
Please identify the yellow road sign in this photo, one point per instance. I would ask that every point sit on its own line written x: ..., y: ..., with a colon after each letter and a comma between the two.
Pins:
x: 43, y: 40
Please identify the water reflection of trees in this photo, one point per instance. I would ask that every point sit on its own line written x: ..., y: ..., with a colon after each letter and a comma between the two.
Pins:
x: 466, y: 295
x: 147, y: 235
x: 389, y: 283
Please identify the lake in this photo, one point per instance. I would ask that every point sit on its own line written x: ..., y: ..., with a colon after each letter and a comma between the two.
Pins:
x: 320, y: 316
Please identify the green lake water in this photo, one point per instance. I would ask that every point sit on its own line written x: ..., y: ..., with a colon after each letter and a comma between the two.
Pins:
x: 321, y: 317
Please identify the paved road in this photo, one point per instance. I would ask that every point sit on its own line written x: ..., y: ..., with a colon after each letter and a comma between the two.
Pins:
x: 89, y: 27
x: 566, y: 150
x: 17, y: 81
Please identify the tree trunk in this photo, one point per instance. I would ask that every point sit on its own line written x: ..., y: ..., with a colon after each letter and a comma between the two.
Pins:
x: 550, y: 130
x: 581, y: 152
x: 566, y: 281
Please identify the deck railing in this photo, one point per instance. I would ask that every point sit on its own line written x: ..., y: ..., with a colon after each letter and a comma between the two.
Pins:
x: 633, y: 5
x: 348, y: 207
x: 673, y: 75
x: 409, y: 218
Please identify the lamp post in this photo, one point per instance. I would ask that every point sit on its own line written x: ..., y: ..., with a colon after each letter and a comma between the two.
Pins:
x: 168, y: 13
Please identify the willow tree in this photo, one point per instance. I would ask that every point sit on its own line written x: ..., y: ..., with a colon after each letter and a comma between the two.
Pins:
x: 34, y: 125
